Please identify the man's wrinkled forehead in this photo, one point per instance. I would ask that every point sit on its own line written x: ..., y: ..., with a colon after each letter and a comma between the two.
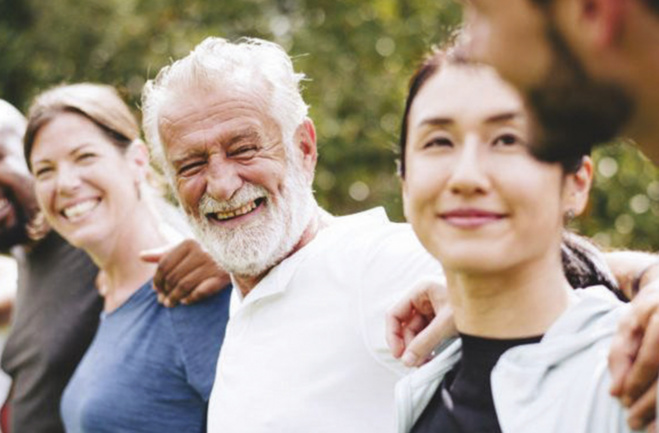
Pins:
x: 189, y: 102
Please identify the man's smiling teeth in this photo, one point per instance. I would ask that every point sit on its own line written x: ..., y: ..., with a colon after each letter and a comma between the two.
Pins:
x: 80, y: 208
x: 236, y: 212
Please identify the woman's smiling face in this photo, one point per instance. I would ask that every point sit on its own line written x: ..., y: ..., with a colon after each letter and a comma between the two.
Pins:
x: 476, y: 198
x: 85, y: 185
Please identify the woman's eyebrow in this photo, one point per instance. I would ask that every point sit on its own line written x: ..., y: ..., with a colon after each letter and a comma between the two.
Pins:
x: 73, y: 151
x: 503, y: 117
x: 437, y: 121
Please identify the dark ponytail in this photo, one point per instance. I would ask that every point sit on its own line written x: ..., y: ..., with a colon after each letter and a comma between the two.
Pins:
x: 584, y: 264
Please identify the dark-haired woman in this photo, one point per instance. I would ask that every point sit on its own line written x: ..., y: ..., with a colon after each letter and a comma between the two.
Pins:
x: 532, y: 352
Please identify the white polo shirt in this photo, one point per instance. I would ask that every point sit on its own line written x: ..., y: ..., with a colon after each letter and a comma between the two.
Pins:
x: 305, y: 350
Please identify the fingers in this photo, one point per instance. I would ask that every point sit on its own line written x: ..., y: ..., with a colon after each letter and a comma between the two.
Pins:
x: 412, y: 329
x: 183, y: 287
x: 642, y: 323
x: 624, y: 348
x: 154, y: 255
x: 427, y: 295
x: 403, y: 321
x: 394, y: 322
x: 644, y: 370
x: 420, y: 348
x: 188, y: 273
x: 204, y: 290
x: 173, y: 262
x: 643, y: 411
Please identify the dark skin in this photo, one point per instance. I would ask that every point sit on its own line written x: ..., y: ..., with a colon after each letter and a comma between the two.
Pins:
x: 16, y: 194
x: 16, y: 187
x: 634, y: 357
x: 186, y: 274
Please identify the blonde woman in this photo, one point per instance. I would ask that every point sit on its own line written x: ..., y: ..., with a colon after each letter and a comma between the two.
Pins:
x: 149, y: 368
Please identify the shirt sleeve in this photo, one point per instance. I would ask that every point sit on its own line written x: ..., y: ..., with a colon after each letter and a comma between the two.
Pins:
x: 199, y: 333
x: 394, y: 261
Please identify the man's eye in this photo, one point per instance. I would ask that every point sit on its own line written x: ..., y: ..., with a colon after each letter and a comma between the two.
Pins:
x: 243, y: 150
x: 190, y: 168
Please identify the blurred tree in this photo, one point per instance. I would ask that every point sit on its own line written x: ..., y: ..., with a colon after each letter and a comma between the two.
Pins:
x: 357, y: 55
x: 624, y: 203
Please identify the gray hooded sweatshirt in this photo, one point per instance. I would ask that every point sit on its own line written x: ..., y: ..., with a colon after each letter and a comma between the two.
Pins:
x: 559, y: 385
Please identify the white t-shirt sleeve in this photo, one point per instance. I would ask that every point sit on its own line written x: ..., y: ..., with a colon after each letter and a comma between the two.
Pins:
x: 393, y: 262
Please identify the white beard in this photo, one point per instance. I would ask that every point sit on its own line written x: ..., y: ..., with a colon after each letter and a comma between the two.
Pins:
x: 255, y: 247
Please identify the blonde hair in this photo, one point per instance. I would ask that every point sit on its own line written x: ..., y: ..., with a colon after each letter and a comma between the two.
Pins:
x: 99, y: 103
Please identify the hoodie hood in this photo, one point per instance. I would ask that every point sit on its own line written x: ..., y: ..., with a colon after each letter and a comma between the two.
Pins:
x: 564, y: 379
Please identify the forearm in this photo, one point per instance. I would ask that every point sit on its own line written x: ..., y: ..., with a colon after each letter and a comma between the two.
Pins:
x: 633, y: 270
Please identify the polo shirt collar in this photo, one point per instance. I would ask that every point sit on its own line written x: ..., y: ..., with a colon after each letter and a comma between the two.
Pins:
x: 278, y: 279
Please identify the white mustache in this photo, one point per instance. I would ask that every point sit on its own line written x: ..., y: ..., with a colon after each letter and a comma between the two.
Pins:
x: 246, y: 194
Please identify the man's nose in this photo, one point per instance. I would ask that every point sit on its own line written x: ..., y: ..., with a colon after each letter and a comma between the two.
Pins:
x: 223, y: 180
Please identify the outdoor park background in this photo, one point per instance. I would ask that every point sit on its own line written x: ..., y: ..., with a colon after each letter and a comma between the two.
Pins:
x: 358, y: 55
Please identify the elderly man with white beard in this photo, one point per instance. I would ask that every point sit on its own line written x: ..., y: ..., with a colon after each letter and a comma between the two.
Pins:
x: 304, y: 350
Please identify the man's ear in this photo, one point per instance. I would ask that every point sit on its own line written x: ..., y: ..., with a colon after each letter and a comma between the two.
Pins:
x: 596, y: 22
x: 305, y: 140
x: 577, y: 187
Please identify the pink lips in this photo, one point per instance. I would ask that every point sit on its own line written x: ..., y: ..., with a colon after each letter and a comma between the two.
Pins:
x: 471, y: 218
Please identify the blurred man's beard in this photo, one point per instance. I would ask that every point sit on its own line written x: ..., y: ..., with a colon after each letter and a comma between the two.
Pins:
x: 253, y: 248
x: 572, y: 111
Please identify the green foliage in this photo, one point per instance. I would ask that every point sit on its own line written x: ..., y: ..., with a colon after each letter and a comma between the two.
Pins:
x: 624, y: 202
x: 357, y: 54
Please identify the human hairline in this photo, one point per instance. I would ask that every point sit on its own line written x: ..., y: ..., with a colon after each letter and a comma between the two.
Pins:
x: 582, y: 262
x: 217, y: 62
x: 432, y: 64
x: 438, y: 60
x: 98, y: 103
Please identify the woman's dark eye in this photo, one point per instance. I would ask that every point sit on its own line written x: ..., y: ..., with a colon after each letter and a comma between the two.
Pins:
x: 441, y: 141
x: 507, y: 140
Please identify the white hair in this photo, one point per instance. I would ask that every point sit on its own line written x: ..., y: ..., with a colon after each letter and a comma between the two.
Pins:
x: 218, y: 62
